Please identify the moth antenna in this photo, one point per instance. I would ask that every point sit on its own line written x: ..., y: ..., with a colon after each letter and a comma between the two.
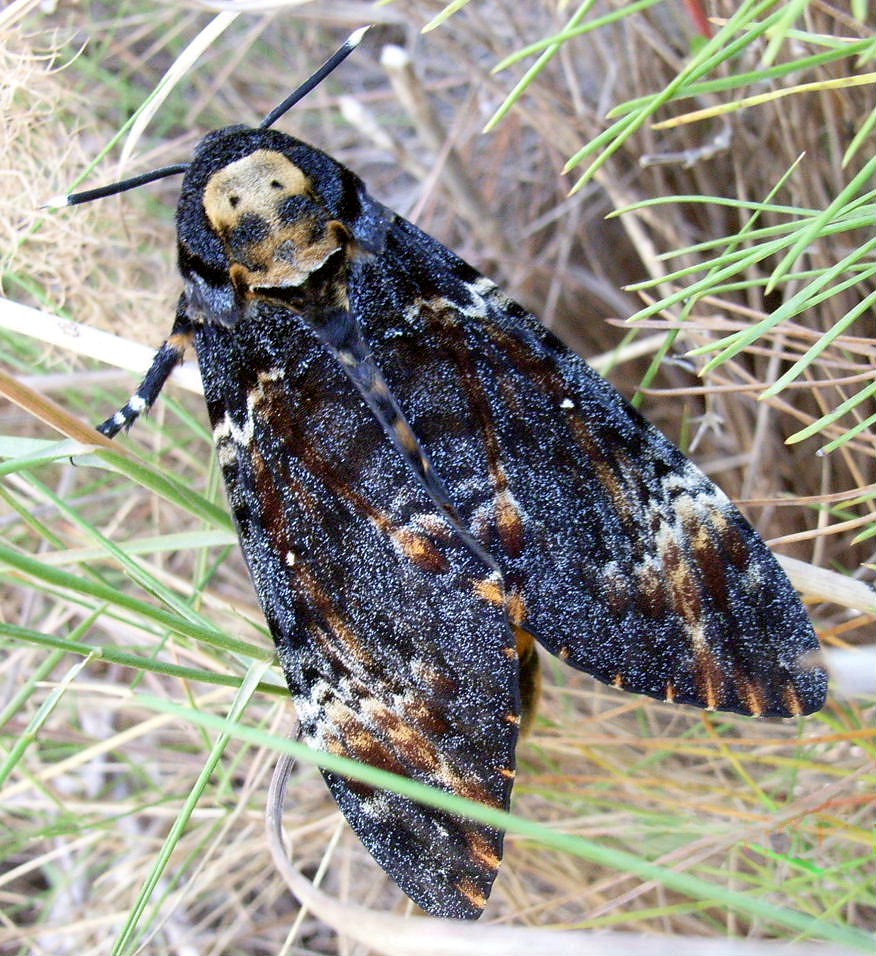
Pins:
x: 335, y: 60
x: 75, y: 199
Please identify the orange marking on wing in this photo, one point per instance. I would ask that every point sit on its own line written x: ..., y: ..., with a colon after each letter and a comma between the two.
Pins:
x: 517, y: 609
x: 421, y: 550
x: 416, y: 748
x: 360, y: 744
x: 525, y: 641
x: 793, y: 701
x: 472, y: 893
x: 685, y: 588
x: 494, y: 592
x: 490, y: 590
x: 427, y: 719
x: 708, y: 674
x: 509, y: 520
x: 481, y: 851
x: 753, y: 694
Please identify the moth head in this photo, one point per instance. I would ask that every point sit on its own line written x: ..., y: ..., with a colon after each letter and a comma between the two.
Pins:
x: 262, y: 214
x: 262, y: 217
x: 273, y: 224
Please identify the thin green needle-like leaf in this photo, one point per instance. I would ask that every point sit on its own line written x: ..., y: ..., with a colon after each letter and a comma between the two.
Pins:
x: 733, y: 345
x: 69, y: 645
x: 790, y: 14
x: 835, y: 415
x: 164, y: 485
x: 863, y: 135
x: 444, y: 15
x: 703, y: 286
x: 759, y: 99
x: 47, y: 576
x: 847, y: 436
x: 571, y: 33
x: 712, y: 54
x: 30, y: 733
x: 740, y: 80
x: 246, y: 690
x: 815, y: 227
x: 691, y: 885
x: 825, y: 340
x: 136, y: 570
x: 537, y: 67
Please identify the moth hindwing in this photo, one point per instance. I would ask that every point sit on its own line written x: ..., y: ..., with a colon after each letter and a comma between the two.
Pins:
x: 425, y: 482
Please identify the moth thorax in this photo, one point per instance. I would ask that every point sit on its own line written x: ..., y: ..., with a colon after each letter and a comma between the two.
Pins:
x: 275, y: 232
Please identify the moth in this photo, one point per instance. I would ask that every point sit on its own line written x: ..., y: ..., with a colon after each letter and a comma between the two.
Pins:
x: 427, y: 483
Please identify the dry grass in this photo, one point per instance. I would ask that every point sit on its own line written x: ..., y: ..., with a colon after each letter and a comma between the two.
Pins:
x: 95, y: 776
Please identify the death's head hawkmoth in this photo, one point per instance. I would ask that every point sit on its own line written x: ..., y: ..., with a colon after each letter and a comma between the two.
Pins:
x: 426, y: 483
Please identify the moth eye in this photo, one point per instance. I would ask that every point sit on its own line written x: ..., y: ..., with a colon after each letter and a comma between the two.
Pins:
x: 276, y: 184
x: 234, y: 201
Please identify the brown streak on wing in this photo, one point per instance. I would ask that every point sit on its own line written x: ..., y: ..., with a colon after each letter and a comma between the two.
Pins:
x: 342, y: 644
x: 427, y: 719
x: 509, y: 520
x: 795, y: 704
x: 471, y: 892
x: 416, y: 545
x: 753, y: 693
x: 360, y: 744
x: 685, y: 589
x: 417, y: 749
x: 712, y: 565
x: 271, y: 501
x: 545, y: 374
x: 709, y: 676
x: 482, y: 851
x: 421, y: 550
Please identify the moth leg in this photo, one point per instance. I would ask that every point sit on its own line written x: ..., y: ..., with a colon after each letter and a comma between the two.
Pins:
x: 166, y: 360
